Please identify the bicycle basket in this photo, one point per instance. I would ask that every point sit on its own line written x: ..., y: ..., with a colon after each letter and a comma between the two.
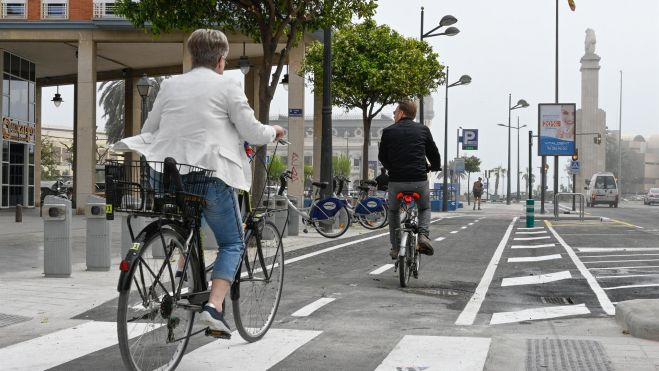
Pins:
x: 142, y: 188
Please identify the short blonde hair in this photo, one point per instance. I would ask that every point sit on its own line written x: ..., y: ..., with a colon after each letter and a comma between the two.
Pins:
x: 207, y: 46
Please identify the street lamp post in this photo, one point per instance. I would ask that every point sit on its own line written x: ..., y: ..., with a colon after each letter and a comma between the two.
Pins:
x: 446, y: 20
x: 464, y: 80
x: 520, y: 104
x: 345, y: 135
x: 144, y: 88
x: 516, y: 128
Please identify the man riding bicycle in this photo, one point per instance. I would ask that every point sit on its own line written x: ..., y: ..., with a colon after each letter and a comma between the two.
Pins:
x: 202, y: 118
x: 404, y: 147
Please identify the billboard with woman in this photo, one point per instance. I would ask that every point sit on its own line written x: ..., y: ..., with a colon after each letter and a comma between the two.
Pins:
x: 557, y: 128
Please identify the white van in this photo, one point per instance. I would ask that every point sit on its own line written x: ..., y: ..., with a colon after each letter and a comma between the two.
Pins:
x: 603, y: 189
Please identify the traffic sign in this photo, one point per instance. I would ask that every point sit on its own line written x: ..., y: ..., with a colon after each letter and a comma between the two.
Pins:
x: 470, y: 139
x: 575, y: 166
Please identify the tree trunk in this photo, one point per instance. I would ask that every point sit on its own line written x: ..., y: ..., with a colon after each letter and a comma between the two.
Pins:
x: 367, y: 142
x: 259, y: 176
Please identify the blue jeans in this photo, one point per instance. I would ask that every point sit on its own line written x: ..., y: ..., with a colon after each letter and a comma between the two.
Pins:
x: 222, y: 215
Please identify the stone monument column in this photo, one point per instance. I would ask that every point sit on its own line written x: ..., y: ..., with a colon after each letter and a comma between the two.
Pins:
x: 590, y: 119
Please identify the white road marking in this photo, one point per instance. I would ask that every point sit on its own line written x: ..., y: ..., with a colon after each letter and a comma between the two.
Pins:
x: 440, y: 238
x: 530, y: 228
x: 534, y: 280
x: 308, y: 309
x: 629, y: 276
x: 604, y: 300
x: 531, y: 238
x: 620, y: 261
x: 463, y: 227
x: 63, y: 346
x: 539, y: 313
x: 454, y: 232
x: 631, y: 286
x: 470, y: 311
x: 615, y: 255
x: 532, y: 246
x: 437, y: 353
x: 472, y: 223
x: 616, y: 249
x: 332, y: 248
x: 383, y: 268
x: 531, y: 232
x: 237, y: 354
x: 534, y: 258
x: 639, y: 267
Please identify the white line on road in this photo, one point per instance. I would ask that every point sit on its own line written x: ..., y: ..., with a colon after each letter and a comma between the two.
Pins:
x: 472, y: 223
x: 437, y: 352
x: 63, y: 346
x: 532, y: 246
x: 534, y: 258
x: 631, y: 286
x: 616, y: 249
x: 470, y: 311
x: 629, y: 276
x: 237, y: 354
x: 639, y: 267
x: 382, y: 269
x: 308, y: 309
x: 531, y: 232
x: 531, y: 238
x: 538, y: 313
x: 454, y: 232
x: 332, y: 248
x: 530, y: 228
x: 463, y: 227
x: 620, y: 261
x: 534, y: 280
x: 610, y: 256
x: 440, y: 238
x: 604, y: 300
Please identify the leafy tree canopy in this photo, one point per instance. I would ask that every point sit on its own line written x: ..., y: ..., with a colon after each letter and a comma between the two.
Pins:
x: 472, y: 164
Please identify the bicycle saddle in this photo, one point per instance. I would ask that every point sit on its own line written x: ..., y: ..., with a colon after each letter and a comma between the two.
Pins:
x: 321, y: 185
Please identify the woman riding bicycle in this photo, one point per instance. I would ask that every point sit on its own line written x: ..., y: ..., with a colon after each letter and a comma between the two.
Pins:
x: 202, y: 118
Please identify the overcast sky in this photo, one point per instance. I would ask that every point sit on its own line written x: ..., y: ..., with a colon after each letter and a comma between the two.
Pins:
x: 508, y: 46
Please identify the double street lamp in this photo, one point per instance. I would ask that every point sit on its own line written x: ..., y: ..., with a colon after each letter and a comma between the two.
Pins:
x: 446, y: 20
x: 516, y: 128
x: 144, y: 88
x: 520, y: 104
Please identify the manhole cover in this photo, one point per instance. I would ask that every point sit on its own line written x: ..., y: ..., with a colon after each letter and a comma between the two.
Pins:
x: 9, y: 319
x: 556, y: 300
x: 566, y: 355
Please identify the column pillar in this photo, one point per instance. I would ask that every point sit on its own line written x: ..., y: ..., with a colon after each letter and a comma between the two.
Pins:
x: 85, y: 133
x: 296, y: 123
x: 589, y: 152
x: 37, y: 147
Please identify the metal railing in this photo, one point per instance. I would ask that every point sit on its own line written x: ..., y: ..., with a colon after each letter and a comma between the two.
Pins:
x: 582, y: 202
x: 13, y: 10
x: 55, y: 10
x: 105, y: 10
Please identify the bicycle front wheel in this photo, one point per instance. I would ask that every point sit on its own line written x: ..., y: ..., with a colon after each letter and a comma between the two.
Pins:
x: 255, y: 294
x: 334, y: 226
x: 153, y: 326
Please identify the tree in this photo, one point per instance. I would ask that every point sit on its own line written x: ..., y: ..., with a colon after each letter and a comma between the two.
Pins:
x: 341, y: 164
x: 472, y: 165
x: 112, y: 101
x: 276, y: 166
x: 265, y: 21
x: 48, y: 161
x: 373, y: 67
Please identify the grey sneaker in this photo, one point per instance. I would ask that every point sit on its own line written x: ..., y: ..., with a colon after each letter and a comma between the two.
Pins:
x: 424, y: 246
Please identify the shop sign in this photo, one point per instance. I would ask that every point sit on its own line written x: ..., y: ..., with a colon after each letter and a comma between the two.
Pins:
x: 17, y: 131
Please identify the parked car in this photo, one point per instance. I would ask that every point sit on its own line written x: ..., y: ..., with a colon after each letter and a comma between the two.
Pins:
x: 651, y: 197
x: 602, y: 189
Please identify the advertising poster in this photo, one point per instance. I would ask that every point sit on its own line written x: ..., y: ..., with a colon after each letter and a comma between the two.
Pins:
x: 557, y: 128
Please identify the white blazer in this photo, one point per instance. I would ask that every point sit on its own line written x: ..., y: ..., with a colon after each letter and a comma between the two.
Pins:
x: 202, y: 118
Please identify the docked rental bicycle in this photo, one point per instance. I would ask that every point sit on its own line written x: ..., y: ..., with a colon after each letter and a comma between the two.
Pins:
x: 164, y: 281
x: 408, y: 263
x: 369, y: 211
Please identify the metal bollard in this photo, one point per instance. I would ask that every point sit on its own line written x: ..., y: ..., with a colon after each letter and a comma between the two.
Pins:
x: 530, y: 213
x: 280, y: 214
x: 293, y: 219
x: 98, y: 235
x: 57, y: 248
x: 19, y: 213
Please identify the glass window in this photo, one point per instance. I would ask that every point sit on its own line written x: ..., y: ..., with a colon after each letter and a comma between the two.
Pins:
x: 5, y: 173
x: 30, y: 154
x: 30, y: 92
x: 16, y: 155
x: 7, y: 61
x: 30, y: 176
x: 15, y: 196
x: 30, y: 112
x: 5, y: 151
x: 18, y: 94
x: 56, y: 10
x: 25, y: 69
x: 5, y: 196
x: 15, y: 67
x: 15, y: 9
x: 5, y: 105
x: 33, y: 72
x: 5, y: 84
x: 30, y: 196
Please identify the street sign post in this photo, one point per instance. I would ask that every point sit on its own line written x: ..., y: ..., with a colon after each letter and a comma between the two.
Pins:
x: 470, y: 139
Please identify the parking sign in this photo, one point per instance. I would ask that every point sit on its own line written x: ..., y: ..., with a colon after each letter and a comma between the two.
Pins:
x: 470, y: 139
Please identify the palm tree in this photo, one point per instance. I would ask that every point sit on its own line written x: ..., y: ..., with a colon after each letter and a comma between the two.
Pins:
x: 525, y: 176
x: 112, y: 101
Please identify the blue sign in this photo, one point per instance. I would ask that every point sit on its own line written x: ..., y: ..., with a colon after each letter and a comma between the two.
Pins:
x: 295, y: 112
x: 575, y: 165
x: 470, y: 139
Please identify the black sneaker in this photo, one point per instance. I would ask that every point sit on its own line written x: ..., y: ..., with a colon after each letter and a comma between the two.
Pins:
x: 424, y: 246
x: 214, y: 319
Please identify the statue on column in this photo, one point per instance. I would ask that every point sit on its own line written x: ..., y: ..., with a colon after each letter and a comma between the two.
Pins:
x: 590, y: 41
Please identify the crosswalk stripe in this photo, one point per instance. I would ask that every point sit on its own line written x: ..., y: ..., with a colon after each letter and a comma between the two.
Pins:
x: 382, y: 269
x: 532, y: 246
x: 531, y: 232
x: 630, y: 286
x: 530, y: 228
x: 534, y: 258
x: 236, y: 354
x: 538, y: 313
x: 534, y: 280
x: 62, y: 346
x: 620, y: 261
x: 531, y: 238
x: 616, y: 249
x: 308, y: 309
x: 437, y: 353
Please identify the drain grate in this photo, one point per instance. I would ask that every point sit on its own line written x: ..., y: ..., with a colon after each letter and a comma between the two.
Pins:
x: 566, y: 355
x: 556, y: 300
x: 10, y: 319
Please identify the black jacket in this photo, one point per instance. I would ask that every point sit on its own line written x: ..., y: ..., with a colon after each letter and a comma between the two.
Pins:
x: 404, y: 148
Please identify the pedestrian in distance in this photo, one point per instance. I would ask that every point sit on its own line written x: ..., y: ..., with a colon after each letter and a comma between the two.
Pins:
x: 405, y: 149
x: 477, y: 189
x: 382, y: 180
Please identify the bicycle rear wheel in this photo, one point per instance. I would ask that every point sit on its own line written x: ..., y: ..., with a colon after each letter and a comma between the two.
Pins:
x: 374, y: 220
x: 256, y: 293
x: 152, y: 325
x: 333, y: 226
x: 405, y: 262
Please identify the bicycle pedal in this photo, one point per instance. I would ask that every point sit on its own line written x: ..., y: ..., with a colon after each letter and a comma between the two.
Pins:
x: 217, y: 334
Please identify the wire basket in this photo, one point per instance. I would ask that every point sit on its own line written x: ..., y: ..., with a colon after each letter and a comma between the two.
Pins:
x: 144, y: 188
